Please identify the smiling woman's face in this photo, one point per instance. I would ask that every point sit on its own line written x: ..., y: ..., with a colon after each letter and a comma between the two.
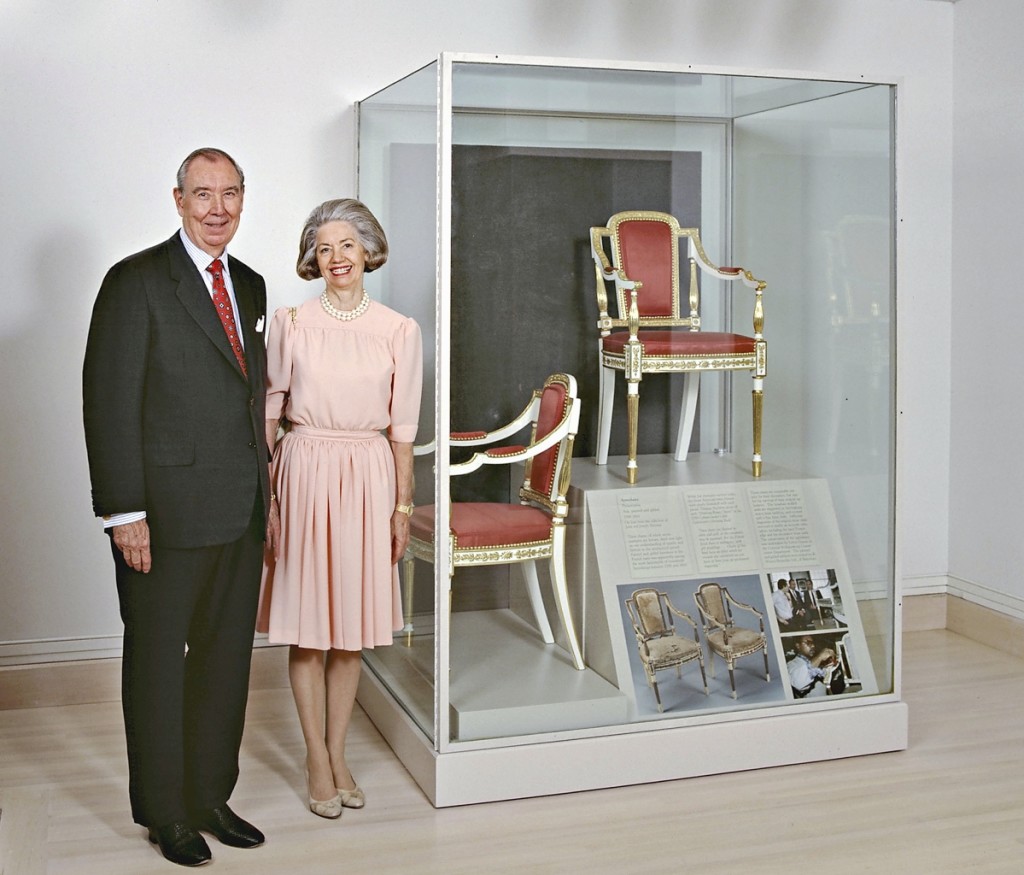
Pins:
x: 340, y: 257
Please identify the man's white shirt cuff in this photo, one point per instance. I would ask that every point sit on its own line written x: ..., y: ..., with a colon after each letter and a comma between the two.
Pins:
x: 120, y: 519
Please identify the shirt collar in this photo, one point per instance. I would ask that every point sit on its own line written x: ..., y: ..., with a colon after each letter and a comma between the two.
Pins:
x: 201, y: 259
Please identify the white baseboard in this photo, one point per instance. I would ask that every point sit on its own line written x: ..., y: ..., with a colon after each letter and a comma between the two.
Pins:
x: 71, y: 649
x: 59, y: 650
x: 931, y: 584
x: 1000, y: 602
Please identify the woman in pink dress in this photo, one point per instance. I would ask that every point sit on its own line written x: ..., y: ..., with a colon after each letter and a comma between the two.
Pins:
x: 343, y: 371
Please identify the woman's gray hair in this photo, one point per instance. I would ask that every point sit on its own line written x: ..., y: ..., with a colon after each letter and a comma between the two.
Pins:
x: 210, y: 154
x: 368, y: 229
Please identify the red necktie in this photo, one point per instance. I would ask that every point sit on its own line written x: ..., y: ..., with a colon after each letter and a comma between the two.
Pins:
x: 227, y: 315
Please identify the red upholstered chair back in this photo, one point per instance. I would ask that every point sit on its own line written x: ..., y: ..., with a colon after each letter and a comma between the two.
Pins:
x: 647, y: 251
x: 542, y: 471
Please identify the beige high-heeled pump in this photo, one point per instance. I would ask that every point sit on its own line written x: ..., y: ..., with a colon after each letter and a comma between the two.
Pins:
x: 330, y: 808
x: 351, y: 798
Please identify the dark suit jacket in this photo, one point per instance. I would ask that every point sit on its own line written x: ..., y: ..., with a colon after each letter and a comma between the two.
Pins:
x: 172, y: 426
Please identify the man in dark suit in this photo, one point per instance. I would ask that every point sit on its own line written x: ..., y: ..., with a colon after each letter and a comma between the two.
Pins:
x: 174, y: 394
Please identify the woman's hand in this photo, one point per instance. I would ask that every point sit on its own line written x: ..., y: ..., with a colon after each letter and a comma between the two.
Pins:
x: 399, y: 535
x: 273, y: 526
x: 403, y: 496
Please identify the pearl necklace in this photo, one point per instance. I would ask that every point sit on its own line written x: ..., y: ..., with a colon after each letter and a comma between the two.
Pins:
x: 345, y: 315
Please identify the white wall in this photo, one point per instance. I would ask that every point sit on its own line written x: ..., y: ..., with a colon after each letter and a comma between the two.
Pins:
x: 101, y: 100
x: 987, y: 422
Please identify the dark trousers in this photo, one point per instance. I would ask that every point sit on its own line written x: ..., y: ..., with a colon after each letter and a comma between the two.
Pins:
x: 184, y: 712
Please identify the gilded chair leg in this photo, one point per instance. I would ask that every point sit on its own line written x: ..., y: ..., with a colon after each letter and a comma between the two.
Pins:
x: 536, y: 601
x: 558, y: 583
x: 688, y: 413
x: 758, y: 399
x: 704, y: 676
x: 605, y: 401
x: 633, y: 411
x: 657, y: 697
x: 732, y: 680
x: 408, y: 566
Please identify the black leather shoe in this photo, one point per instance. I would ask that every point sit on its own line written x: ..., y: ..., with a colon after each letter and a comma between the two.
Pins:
x: 181, y: 844
x: 228, y: 828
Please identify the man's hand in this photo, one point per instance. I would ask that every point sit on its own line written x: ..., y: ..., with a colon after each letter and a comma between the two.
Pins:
x: 132, y: 539
x: 824, y: 657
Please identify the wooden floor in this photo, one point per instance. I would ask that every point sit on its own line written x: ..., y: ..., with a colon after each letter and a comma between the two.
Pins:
x: 953, y: 802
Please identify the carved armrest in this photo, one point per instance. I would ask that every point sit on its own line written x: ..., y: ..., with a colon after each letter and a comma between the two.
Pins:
x: 740, y: 604
x: 711, y: 623
x: 606, y: 272
x: 744, y: 606
x: 697, y: 253
x: 424, y: 449
x: 510, y: 454
x: 481, y: 438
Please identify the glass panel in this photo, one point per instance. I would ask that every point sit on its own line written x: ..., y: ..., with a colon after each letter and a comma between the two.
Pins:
x: 568, y: 91
x: 791, y: 179
x: 542, y: 154
x: 397, y: 173
x: 814, y: 195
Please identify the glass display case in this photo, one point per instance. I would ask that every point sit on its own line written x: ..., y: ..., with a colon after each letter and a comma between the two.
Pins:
x: 697, y: 596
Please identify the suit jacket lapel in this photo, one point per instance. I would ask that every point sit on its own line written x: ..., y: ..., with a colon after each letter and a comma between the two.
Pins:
x: 195, y: 298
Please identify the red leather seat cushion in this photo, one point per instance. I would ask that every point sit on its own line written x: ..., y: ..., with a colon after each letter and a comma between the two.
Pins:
x: 510, y: 450
x: 486, y: 524
x: 682, y: 342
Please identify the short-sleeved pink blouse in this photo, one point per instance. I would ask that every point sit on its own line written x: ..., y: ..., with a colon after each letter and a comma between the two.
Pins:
x: 342, y: 386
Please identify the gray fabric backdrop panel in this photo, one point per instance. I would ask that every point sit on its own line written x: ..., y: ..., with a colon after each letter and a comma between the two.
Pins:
x: 523, y: 299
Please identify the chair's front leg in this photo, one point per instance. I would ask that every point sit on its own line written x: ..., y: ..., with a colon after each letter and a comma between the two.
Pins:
x: 634, y: 354
x: 408, y: 567
x: 560, y: 586
x: 758, y: 399
x: 691, y: 388
x: 760, y: 372
x: 536, y: 601
x: 605, y: 400
x: 633, y: 418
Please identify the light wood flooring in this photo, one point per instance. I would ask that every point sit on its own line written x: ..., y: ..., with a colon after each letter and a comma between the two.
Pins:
x: 953, y: 802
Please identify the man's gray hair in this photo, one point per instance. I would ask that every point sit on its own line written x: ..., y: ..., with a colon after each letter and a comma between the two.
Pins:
x: 210, y: 154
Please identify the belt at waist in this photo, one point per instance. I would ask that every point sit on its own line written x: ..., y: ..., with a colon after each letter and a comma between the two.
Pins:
x: 332, y: 434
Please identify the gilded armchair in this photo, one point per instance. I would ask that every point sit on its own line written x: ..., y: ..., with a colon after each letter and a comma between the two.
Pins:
x: 648, y: 333
x: 496, y: 533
